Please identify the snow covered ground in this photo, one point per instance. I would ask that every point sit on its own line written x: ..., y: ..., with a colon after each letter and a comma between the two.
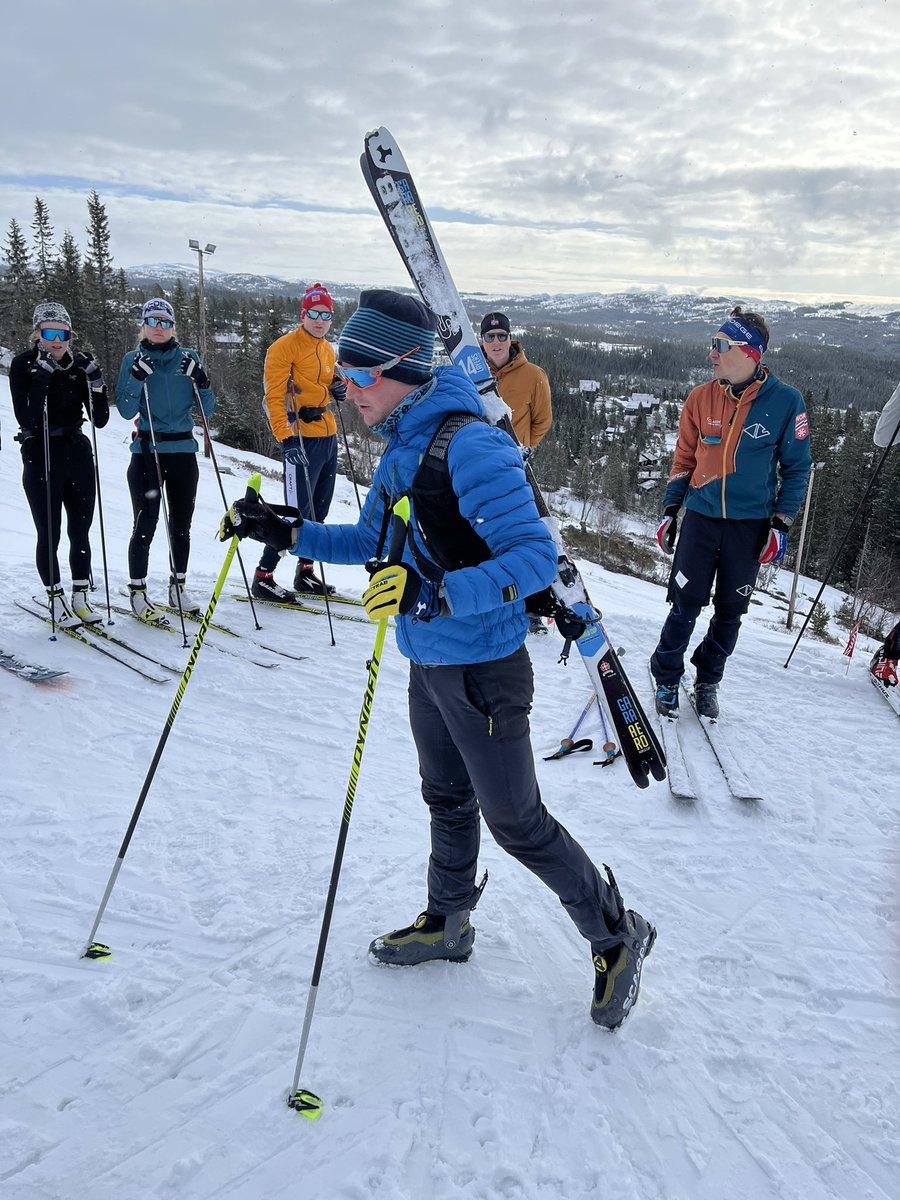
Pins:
x: 762, y: 1060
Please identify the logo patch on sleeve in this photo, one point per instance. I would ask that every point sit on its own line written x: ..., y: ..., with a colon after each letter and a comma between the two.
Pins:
x: 801, y: 426
x: 510, y: 593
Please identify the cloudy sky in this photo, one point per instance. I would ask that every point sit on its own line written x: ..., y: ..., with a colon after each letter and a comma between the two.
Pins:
x: 591, y: 145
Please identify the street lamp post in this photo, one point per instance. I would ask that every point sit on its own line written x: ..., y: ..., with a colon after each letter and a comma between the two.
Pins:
x: 208, y: 249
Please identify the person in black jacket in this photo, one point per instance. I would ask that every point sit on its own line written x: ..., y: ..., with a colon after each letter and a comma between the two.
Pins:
x: 52, y: 392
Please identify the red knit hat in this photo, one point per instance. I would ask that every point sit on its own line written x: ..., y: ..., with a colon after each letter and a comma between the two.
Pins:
x: 316, y: 297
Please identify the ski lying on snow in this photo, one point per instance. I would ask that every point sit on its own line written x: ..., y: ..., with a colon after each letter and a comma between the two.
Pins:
x: 78, y: 635
x: 168, y: 628
x: 197, y: 619
x: 738, y: 783
x: 28, y: 671
x: 397, y: 200
x: 307, y: 608
x: 680, y: 784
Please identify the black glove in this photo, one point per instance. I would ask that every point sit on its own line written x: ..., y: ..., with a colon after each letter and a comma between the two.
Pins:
x: 292, y: 451
x: 667, y: 530
x: 87, y: 363
x: 194, y: 370
x: 339, y: 391
x: 141, y: 368
x: 47, y: 362
x: 273, y: 525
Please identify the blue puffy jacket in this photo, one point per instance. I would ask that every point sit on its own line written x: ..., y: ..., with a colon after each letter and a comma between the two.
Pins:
x: 171, y: 397
x: 494, y: 497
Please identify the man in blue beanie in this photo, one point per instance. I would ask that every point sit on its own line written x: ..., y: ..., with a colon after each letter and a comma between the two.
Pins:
x: 476, y: 548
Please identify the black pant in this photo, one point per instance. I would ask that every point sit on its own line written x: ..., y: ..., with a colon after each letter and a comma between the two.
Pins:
x: 71, y: 487
x: 470, y: 725
x: 180, y: 474
x: 708, y: 548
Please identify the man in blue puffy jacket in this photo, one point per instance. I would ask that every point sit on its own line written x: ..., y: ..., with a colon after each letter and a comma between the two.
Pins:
x: 476, y: 548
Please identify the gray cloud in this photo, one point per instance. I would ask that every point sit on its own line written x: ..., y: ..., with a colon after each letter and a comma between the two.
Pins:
x: 591, y: 145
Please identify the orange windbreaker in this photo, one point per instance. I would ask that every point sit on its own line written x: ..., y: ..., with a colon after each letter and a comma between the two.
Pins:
x: 299, y: 372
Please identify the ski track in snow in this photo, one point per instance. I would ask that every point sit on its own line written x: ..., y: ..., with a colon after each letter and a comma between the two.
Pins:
x: 762, y: 1060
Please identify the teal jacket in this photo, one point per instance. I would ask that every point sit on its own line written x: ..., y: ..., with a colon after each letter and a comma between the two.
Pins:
x: 488, y: 478
x: 171, y: 398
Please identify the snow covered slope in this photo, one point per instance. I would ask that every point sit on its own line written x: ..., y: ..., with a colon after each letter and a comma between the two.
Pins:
x: 761, y: 1062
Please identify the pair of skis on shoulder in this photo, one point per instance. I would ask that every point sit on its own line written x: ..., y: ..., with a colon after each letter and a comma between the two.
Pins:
x: 681, y: 784
x: 396, y: 197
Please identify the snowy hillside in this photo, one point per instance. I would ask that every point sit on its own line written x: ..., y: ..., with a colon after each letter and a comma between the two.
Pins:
x: 761, y: 1062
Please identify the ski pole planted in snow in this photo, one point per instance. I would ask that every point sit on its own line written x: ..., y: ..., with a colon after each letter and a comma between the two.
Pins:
x: 306, y: 1102
x: 99, y: 950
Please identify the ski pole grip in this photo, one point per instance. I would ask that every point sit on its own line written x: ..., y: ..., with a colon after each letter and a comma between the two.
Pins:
x: 254, y: 487
x: 399, y: 524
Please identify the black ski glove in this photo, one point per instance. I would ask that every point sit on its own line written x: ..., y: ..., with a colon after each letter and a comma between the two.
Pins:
x: 47, y: 362
x: 87, y: 363
x: 194, y: 370
x: 141, y: 368
x: 273, y: 525
x: 339, y: 391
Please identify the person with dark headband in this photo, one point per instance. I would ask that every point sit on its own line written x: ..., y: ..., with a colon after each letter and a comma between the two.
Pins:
x: 740, y: 468
x: 475, y: 548
x: 53, y: 391
x: 300, y: 382
x: 158, y: 383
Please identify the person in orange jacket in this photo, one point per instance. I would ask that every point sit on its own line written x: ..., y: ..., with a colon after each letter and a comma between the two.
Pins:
x: 524, y: 388
x: 522, y: 385
x: 300, y: 382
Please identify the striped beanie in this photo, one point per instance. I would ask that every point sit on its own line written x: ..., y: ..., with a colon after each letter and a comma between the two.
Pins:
x: 387, y: 324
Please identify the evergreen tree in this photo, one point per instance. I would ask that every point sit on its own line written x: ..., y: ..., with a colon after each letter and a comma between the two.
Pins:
x: 66, y: 282
x: 16, y: 289
x: 43, y: 249
x: 98, y: 279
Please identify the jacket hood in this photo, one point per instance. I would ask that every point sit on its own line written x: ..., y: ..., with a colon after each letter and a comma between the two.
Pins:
x: 456, y: 394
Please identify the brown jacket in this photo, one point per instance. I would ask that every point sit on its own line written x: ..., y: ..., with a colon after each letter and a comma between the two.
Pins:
x: 299, y: 372
x: 525, y: 388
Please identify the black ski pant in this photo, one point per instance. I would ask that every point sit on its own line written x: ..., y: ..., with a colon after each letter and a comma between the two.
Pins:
x: 322, y: 455
x: 470, y: 725
x: 180, y: 474
x: 708, y: 549
x: 72, y: 487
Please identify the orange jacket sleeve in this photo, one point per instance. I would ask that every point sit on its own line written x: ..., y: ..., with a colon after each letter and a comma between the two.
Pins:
x: 541, y: 408
x: 277, y: 373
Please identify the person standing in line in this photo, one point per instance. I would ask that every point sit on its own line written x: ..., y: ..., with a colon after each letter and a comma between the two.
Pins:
x: 475, y: 546
x: 300, y: 382
x: 524, y: 388
x: 740, y: 469
x: 49, y: 378
x: 156, y: 384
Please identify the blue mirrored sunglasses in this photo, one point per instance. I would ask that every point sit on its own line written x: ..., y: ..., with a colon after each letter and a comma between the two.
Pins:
x: 162, y: 322
x: 319, y: 316
x: 56, y: 335
x: 364, y: 377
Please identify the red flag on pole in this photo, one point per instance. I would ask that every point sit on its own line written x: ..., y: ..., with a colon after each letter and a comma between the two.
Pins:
x: 851, y: 641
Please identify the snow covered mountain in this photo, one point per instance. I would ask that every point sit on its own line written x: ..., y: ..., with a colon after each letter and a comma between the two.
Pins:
x: 761, y: 1063
x: 856, y: 325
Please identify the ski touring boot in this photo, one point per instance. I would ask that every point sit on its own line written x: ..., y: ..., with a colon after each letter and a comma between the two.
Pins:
x: 706, y: 700
x: 142, y: 607
x: 59, y: 609
x: 431, y: 936
x: 81, y: 603
x: 617, y: 968
x: 189, y: 604
x: 264, y: 587
x: 305, y: 580
x: 667, y: 699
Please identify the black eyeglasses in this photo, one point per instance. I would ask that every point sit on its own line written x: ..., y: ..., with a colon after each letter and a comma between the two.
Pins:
x: 161, y: 322
x: 499, y: 336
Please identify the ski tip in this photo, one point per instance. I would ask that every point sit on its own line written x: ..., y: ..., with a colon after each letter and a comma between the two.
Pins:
x: 98, y: 952
x: 308, y: 1104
